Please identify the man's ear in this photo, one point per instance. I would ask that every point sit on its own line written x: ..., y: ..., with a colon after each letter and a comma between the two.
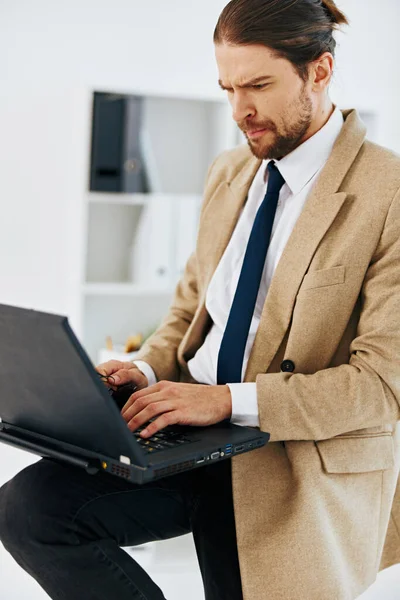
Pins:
x: 321, y: 71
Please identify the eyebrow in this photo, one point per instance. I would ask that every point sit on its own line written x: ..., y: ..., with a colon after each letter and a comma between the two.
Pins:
x: 249, y: 83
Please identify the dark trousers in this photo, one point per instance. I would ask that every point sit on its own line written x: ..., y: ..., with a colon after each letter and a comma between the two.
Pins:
x: 66, y: 529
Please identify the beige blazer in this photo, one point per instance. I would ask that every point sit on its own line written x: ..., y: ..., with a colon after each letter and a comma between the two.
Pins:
x: 312, y: 507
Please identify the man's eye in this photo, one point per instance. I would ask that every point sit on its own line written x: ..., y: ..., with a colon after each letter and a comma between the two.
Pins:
x: 260, y: 86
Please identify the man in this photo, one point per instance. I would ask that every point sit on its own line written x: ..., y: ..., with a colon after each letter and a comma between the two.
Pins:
x: 288, y: 310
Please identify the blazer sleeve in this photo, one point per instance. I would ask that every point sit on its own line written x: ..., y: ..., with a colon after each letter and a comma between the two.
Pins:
x: 366, y: 391
x: 160, y: 349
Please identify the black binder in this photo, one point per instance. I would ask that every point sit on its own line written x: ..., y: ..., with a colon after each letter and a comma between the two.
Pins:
x: 116, y: 159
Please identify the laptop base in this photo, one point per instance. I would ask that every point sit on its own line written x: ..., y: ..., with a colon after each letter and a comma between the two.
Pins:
x: 94, y: 462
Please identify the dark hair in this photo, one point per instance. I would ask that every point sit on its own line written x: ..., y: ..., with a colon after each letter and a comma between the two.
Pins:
x: 298, y: 30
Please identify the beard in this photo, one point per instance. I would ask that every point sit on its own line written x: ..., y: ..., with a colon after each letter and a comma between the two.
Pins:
x: 287, y: 140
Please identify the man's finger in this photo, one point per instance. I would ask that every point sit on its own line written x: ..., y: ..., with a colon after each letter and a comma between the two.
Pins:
x: 151, y: 389
x: 136, y: 407
x: 123, y: 376
x: 109, y: 367
x: 108, y: 380
x: 144, y: 414
x: 169, y: 418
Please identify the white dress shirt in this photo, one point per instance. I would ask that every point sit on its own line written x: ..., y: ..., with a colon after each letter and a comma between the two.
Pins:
x: 300, y: 169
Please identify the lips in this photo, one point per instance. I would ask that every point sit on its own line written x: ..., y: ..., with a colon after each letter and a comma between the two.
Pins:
x: 256, y: 132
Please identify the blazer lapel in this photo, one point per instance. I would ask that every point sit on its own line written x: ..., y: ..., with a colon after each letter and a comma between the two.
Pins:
x: 232, y: 196
x: 319, y: 212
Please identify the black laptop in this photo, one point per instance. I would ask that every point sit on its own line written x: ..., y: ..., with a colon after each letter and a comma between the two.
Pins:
x: 53, y: 403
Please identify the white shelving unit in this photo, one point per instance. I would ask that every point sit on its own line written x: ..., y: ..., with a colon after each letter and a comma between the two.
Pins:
x: 136, y: 245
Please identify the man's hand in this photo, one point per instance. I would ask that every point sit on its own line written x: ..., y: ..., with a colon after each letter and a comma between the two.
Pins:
x: 120, y: 373
x: 177, y: 404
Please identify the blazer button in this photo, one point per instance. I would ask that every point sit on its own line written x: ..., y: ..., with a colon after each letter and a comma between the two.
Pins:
x: 288, y: 365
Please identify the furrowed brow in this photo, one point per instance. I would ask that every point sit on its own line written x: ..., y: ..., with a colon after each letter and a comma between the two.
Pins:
x: 248, y: 84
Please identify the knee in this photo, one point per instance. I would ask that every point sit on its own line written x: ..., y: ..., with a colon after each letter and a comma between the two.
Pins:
x: 21, y: 509
x: 10, y: 522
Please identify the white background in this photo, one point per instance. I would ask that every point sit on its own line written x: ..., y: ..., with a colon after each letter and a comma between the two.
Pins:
x: 50, y: 52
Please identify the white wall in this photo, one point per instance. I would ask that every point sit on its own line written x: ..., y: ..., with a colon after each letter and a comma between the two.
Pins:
x: 53, y: 52
x: 50, y: 54
x: 367, y: 72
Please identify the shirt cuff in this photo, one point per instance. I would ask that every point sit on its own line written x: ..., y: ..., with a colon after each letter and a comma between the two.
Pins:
x: 244, y: 404
x: 146, y: 370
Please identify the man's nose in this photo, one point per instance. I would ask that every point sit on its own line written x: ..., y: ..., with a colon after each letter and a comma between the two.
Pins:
x: 241, y: 109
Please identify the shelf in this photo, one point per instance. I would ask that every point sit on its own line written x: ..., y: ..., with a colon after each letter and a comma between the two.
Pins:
x: 136, y: 243
x: 124, y: 289
x: 121, y: 198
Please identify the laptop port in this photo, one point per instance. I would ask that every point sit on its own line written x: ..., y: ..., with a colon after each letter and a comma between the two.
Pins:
x: 239, y: 448
x: 214, y: 455
x: 200, y: 460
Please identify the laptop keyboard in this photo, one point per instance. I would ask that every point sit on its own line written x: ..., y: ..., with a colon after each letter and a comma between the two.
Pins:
x: 162, y: 440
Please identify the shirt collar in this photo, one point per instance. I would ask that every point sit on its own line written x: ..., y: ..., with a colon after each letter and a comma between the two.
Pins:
x: 298, y: 167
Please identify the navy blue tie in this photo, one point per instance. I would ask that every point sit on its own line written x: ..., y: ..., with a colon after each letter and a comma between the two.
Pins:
x: 231, y: 353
